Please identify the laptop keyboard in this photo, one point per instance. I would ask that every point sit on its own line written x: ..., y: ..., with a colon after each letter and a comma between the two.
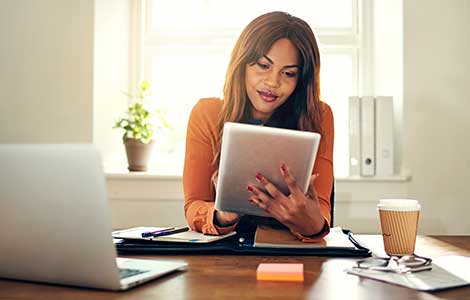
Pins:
x: 124, y: 273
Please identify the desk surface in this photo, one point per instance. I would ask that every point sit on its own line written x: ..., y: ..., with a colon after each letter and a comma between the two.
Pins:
x: 234, y: 277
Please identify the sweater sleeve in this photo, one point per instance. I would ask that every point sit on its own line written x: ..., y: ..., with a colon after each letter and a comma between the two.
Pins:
x: 199, y: 193
x: 324, y: 167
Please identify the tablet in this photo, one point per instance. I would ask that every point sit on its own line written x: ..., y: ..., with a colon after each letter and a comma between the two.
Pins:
x: 248, y: 149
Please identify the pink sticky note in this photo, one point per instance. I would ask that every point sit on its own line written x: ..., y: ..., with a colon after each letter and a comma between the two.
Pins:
x: 280, y: 272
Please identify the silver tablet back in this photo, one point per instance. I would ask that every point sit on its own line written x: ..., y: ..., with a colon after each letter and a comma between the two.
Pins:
x: 248, y: 149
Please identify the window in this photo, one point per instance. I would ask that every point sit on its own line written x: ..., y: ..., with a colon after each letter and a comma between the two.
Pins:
x: 185, y: 48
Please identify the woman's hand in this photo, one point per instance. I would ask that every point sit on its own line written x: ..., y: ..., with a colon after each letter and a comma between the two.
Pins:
x: 225, y: 218
x: 298, y: 211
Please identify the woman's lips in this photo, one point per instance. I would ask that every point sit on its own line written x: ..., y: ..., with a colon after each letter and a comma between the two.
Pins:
x: 267, y: 96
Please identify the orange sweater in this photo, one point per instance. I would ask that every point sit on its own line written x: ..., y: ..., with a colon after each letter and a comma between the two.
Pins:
x: 199, y: 193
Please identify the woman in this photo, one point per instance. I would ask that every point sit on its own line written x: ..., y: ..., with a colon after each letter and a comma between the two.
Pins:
x: 273, y: 79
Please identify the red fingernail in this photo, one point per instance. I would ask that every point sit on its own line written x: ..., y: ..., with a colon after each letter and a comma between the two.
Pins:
x: 283, y: 168
x: 250, y: 188
x: 259, y: 177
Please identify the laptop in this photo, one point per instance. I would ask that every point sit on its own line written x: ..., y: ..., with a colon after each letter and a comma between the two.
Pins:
x: 248, y: 149
x: 55, y: 222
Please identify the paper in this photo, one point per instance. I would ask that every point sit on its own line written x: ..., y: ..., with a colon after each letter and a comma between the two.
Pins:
x: 274, y: 238
x: 280, y: 272
x: 447, y: 272
x: 182, y: 237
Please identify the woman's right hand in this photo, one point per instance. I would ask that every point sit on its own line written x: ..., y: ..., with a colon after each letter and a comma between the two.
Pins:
x: 225, y: 218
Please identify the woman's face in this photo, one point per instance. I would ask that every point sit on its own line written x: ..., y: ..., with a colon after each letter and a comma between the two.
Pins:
x: 272, y: 79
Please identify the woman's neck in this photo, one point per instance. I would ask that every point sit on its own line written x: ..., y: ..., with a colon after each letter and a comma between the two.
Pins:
x: 256, y: 122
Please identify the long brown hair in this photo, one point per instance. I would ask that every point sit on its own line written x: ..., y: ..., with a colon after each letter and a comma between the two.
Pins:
x: 302, y: 110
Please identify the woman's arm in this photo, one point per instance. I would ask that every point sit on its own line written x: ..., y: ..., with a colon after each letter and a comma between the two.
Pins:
x: 199, y: 193
x: 324, y: 164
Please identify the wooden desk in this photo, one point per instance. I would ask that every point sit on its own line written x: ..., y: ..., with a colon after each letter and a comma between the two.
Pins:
x: 234, y: 277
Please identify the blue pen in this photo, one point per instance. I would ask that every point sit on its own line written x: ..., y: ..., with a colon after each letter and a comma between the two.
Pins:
x: 167, y: 232
x: 152, y: 233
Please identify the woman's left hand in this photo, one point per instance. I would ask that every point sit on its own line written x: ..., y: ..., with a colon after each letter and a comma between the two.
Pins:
x: 298, y: 211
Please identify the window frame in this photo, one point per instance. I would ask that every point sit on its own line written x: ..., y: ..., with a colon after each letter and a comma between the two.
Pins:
x: 360, y: 37
x: 356, y: 41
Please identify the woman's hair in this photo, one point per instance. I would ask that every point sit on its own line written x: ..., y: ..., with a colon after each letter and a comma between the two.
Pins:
x: 302, y: 109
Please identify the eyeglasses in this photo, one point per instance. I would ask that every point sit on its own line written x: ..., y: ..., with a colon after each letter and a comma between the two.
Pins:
x: 404, y: 264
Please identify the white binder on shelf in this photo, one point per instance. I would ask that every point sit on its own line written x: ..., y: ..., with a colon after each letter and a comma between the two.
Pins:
x: 384, y: 136
x: 354, y: 136
x: 367, y: 136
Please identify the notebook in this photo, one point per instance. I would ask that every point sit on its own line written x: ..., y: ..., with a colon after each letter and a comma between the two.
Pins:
x: 55, y: 224
x: 243, y: 244
x: 267, y: 237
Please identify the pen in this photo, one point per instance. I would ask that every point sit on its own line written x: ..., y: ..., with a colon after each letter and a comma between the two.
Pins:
x: 168, y: 232
x: 151, y: 233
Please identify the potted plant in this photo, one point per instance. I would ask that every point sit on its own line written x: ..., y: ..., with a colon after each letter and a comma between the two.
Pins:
x: 139, y: 126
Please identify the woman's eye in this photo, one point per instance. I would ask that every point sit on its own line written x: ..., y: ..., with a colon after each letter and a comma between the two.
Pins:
x: 263, y: 66
x: 290, y: 74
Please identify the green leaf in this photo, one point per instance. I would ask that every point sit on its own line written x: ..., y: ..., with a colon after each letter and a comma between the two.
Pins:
x: 162, y: 119
x: 144, y: 85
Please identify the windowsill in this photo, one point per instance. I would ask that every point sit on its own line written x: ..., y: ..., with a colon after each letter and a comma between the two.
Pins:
x: 169, y: 175
x: 393, y: 178
x: 142, y: 176
x: 123, y: 173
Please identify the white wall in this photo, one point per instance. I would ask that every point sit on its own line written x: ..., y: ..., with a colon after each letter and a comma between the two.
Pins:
x: 46, y: 71
x: 56, y: 58
x: 436, y: 111
x: 110, y: 75
x: 146, y: 200
x: 388, y: 65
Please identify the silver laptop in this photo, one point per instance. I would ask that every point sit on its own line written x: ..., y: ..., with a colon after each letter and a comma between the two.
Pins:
x: 55, y: 223
x: 248, y: 149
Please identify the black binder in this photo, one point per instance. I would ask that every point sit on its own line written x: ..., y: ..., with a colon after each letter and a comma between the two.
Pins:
x: 240, y: 244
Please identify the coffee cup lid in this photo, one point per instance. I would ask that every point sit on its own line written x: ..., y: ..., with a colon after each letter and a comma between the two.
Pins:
x: 398, y: 204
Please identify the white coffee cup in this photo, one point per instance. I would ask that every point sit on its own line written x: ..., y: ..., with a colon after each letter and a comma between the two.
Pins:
x: 399, y: 224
